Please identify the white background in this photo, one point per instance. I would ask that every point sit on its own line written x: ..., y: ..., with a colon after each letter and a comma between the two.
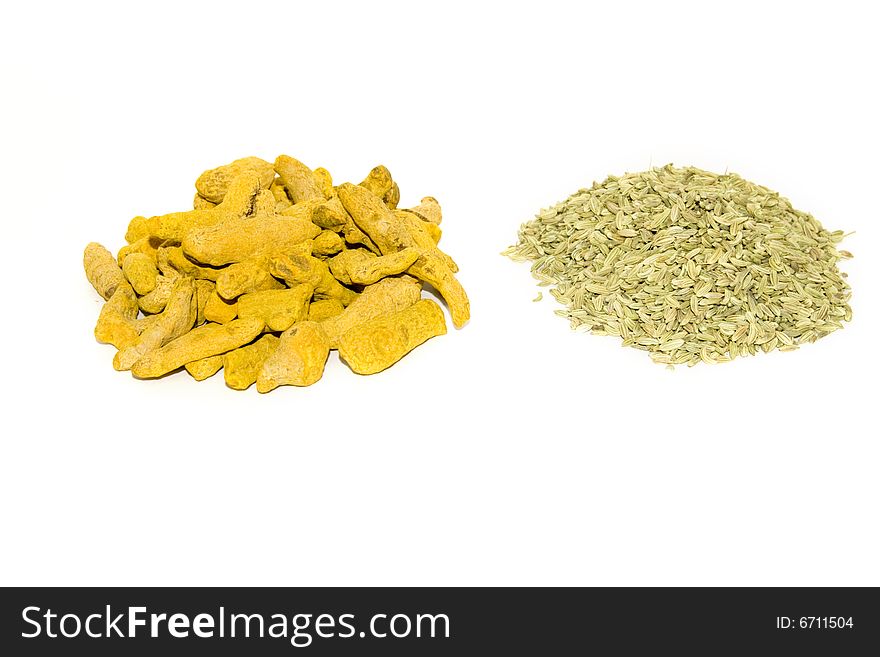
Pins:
x: 513, y: 451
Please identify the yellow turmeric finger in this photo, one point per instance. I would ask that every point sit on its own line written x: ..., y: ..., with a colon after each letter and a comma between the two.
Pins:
x: 241, y: 366
x: 356, y: 237
x: 237, y: 240
x: 326, y: 213
x: 237, y: 203
x: 391, y: 235
x: 155, y: 300
x: 207, y: 340
x: 102, y: 270
x: 296, y: 269
x: 279, y: 192
x: 426, y: 235
x: 372, y: 216
x: 298, y: 360
x: 341, y: 265
x: 146, y: 322
x: 324, y: 309
x: 392, y: 197
x: 417, y: 228
x: 116, y: 323
x: 137, y: 229
x: 299, y: 180
x: 428, y: 210
x: 176, y: 319
x: 378, y: 181
x: 173, y: 258
x: 213, y: 184
x: 264, y: 204
x: 240, y: 197
x: 387, y: 296
x: 203, y: 292
x: 434, y: 232
x: 218, y: 309
x: 201, y: 203
x: 277, y: 309
x: 204, y: 368
x: 168, y: 226
x: 141, y: 272
x: 325, y: 181
x: 374, y: 269
x: 146, y: 245
x: 327, y: 243
x: 431, y: 268
x: 381, y: 342
x: 330, y: 214
x: 243, y: 277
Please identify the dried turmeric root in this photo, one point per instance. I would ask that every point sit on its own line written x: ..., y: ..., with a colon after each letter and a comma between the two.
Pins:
x: 243, y: 277
x: 375, y: 269
x: 324, y: 309
x: 391, y: 235
x: 213, y: 184
x: 298, y: 360
x: 176, y: 319
x: 117, y: 323
x: 272, y: 268
x: 241, y: 366
x: 238, y: 202
x: 201, y: 342
x: 299, y: 269
x: 140, y: 270
x: 240, y: 239
x: 387, y: 296
x: 381, y: 342
x: 204, y: 368
x: 277, y: 309
x: 102, y: 270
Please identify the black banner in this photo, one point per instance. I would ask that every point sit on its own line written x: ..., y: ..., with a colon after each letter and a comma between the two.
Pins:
x: 446, y: 621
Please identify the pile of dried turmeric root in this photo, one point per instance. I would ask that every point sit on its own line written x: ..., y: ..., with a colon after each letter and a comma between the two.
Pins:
x: 274, y: 267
